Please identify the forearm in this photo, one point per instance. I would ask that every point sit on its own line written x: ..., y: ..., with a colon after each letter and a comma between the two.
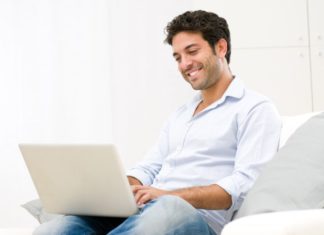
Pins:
x: 133, y: 181
x: 211, y: 197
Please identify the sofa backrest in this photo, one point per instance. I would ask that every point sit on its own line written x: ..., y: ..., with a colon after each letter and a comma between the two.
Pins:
x: 294, y: 178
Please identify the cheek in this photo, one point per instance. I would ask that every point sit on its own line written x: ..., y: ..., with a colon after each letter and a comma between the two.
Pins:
x: 182, y: 67
x: 181, y: 70
x: 211, y: 63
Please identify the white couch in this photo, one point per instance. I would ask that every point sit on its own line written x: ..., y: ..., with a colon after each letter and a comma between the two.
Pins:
x: 290, y: 221
x: 301, y: 222
x: 297, y: 222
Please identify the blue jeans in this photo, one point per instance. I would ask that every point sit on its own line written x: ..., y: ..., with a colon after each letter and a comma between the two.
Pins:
x: 168, y: 215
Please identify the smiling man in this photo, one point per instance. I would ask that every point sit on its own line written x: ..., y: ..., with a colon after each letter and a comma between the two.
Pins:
x: 202, y: 65
x: 210, y: 150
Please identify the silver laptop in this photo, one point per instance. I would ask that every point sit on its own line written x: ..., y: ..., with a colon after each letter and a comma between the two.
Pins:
x: 79, y: 179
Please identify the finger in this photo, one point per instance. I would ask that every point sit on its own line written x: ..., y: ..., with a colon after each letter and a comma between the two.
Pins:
x: 136, y: 188
x: 145, y: 197
x: 139, y: 194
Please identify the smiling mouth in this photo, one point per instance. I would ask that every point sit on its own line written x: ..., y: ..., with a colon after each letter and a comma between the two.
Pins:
x: 192, y: 73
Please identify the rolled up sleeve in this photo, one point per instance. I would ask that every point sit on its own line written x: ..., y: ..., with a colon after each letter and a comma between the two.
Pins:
x: 258, y: 139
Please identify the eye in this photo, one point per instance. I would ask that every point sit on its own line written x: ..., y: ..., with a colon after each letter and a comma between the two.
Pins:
x: 177, y: 58
x: 193, y: 52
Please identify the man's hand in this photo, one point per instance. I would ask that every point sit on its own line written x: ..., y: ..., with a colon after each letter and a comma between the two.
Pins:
x: 144, y: 194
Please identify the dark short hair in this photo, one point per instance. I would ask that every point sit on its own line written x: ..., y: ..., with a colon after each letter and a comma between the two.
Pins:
x: 210, y: 25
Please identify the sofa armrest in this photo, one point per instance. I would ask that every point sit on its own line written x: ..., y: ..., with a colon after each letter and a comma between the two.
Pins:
x: 299, y: 222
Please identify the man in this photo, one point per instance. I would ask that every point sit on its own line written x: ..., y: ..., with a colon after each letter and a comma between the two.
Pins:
x: 210, y: 151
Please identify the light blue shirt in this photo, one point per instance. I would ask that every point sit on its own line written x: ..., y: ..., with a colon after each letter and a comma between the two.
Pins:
x: 225, y: 144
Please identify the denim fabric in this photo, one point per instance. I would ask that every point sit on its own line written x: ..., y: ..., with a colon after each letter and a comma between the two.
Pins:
x: 168, y: 215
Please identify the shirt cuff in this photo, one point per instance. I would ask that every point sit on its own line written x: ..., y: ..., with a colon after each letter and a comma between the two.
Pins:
x: 231, y: 188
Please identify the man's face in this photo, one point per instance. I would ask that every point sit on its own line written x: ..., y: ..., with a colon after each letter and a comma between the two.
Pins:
x: 197, y: 61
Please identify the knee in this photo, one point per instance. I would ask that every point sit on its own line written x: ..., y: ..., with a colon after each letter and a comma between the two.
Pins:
x: 166, y: 214
x: 170, y: 199
x: 49, y: 227
x: 171, y: 208
x: 174, y: 204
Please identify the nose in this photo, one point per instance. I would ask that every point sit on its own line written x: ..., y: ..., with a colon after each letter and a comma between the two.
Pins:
x: 185, y: 63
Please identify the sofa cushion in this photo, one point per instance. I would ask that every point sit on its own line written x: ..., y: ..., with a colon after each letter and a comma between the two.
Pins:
x: 35, y: 208
x: 294, y: 178
x: 291, y: 123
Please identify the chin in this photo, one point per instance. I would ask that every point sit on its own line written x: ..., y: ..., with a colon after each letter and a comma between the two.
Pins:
x: 196, y: 87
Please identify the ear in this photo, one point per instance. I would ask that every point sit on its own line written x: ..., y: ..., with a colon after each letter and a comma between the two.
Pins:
x: 221, y: 48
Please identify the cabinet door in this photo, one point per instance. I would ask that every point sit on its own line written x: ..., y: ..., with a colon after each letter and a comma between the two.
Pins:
x: 280, y: 73
x: 318, y: 77
x: 316, y: 29
x: 316, y: 22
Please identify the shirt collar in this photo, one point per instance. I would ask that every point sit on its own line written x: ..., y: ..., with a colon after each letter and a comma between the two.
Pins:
x: 235, y: 90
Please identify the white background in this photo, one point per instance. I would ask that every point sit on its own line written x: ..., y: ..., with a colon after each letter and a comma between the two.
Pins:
x: 82, y: 71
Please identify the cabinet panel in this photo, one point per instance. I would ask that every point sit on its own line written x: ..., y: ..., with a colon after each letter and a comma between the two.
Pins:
x: 316, y: 29
x: 279, y: 73
x: 316, y: 22
x: 255, y: 23
x: 318, y: 77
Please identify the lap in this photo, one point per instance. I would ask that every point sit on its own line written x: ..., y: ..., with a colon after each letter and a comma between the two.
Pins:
x: 168, y: 215
x: 76, y: 225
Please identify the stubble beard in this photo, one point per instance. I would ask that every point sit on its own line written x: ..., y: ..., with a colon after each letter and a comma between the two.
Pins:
x: 209, y: 77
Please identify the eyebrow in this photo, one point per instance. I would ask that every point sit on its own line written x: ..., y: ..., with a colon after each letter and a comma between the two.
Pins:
x: 186, y: 48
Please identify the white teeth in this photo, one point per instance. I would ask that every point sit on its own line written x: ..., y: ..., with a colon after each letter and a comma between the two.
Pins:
x: 193, y: 73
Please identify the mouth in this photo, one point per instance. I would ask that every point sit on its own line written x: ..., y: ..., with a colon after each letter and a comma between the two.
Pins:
x: 192, y: 73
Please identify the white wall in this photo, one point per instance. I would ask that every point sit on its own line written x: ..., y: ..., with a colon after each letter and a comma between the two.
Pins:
x: 54, y: 77
x: 146, y: 85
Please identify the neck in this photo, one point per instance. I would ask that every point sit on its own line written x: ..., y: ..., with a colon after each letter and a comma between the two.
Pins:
x: 216, y: 91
